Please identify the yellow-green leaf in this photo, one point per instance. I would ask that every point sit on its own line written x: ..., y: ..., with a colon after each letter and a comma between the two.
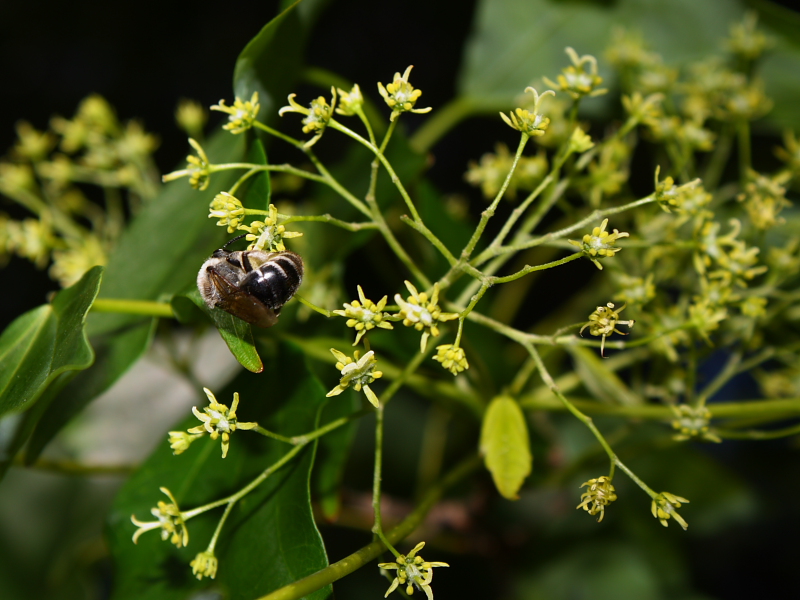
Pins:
x: 505, y: 446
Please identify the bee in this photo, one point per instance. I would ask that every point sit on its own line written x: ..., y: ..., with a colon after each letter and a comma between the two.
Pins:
x: 250, y: 284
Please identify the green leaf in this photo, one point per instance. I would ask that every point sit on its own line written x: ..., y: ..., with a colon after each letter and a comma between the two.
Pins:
x: 272, y: 61
x: 334, y: 449
x: 46, y: 342
x: 238, y: 334
x: 269, y: 539
x: 161, y: 251
x: 505, y: 446
x: 114, y: 355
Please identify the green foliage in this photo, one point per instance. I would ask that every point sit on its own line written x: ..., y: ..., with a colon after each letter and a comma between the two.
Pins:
x: 506, y: 446
x: 469, y: 326
x: 272, y: 538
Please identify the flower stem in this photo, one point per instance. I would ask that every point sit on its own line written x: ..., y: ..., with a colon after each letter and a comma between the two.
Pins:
x: 133, y: 307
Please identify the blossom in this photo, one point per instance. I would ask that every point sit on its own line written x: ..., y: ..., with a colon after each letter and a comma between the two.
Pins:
x: 599, y: 243
x: 401, y: 96
x: 600, y: 493
x: 421, y: 313
x: 364, y: 315
x: 452, y: 358
x: 205, y: 565
x: 242, y: 114
x: 412, y: 570
x: 575, y: 80
x: 530, y: 123
x: 604, y: 320
x: 170, y: 520
x: 665, y: 505
x: 228, y: 209
x: 268, y: 235
x: 219, y: 420
x: 359, y: 373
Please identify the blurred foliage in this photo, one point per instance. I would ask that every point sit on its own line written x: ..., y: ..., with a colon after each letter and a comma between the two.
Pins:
x: 711, y: 281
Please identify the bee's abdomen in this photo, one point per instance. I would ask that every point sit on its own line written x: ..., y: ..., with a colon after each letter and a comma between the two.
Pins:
x: 275, y: 280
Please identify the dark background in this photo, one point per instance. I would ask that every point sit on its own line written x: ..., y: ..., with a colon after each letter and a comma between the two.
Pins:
x: 144, y: 56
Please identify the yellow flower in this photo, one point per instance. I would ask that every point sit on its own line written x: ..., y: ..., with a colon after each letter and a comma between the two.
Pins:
x: 665, y: 505
x: 401, y: 96
x: 530, y: 123
x: 317, y: 116
x: 421, y: 313
x: 198, y: 170
x: 364, y: 315
x: 412, y: 570
x: 359, y: 373
x: 693, y: 422
x: 604, y: 320
x: 170, y: 520
x: 600, y: 493
x: 452, y: 358
x: 228, y: 209
x: 205, y: 565
x: 268, y: 235
x: 219, y: 420
x: 242, y: 114
x: 576, y: 80
x: 599, y: 243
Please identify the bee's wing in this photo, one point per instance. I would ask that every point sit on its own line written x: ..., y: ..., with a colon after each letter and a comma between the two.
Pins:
x: 239, y: 303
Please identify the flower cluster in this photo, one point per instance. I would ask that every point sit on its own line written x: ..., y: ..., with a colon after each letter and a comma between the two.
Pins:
x: 529, y: 122
x: 364, y: 315
x: 317, y: 115
x: 358, y: 372
x: 575, y: 80
x: 604, y: 320
x: 228, y: 209
x: 452, y: 358
x: 422, y: 313
x: 242, y: 114
x: 268, y: 235
x: 205, y: 565
x: 218, y: 421
x: 412, y: 570
x: 493, y: 169
x: 670, y: 196
x: 350, y: 103
x: 664, y: 507
x: 170, y: 520
x: 692, y: 423
x: 600, y: 493
x: 599, y: 243
x: 763, y: 198
x: 401, y: 96
x: 198, y: 170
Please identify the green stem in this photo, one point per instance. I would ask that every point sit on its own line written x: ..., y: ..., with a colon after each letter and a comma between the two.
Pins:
x: 274, y: 436
x: 147, y: 308
x: 377, y: 528
x: 743, y: 131
x: 530, y: 269
x: 220, y: 525
x: 758, y: 435
x: 249, y: 487
x: 312, y: 306
x: 489, y: 212
x: 367, y: 554
x: 428, y: 234
x: 586, y: 420
x: 326, y: 218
